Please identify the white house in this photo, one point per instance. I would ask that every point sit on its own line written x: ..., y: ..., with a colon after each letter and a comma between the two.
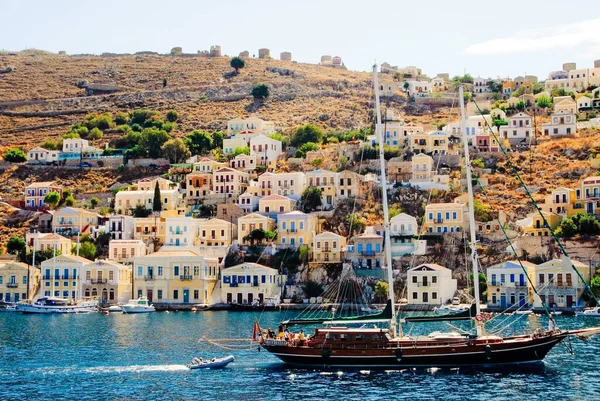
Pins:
x: 508, y: 285
x: 39, y: 155
x: 561, y: 123
x: 75, y: 145
x: 248, y: 283
x: 403, y: 227
x: 481, y: 85
x: 430, y: 284
x: 286, y: 184
x: 233, y: 143
x: 583, y: 102
x: 520, y: 126
x: 247, y: 127
x: 180, y: 231
x: 124, y: 250
x: 265, y: 149
x: 248, y: 202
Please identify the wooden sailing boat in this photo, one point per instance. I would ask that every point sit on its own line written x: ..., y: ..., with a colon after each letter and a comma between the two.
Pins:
x: 385, y: 348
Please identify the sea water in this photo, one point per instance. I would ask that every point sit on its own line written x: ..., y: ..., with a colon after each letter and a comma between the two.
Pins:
x: 143, y: 357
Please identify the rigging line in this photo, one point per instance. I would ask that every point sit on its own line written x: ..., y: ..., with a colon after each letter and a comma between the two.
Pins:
x: 554, y: 236
x: 510, y: 243
x: 362, y: 152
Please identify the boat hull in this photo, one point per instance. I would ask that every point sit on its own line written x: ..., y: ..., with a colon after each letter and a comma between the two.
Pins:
x: 137, y: 309
x: 454, y: 355
x: 217, y: 363
x: 44, y: 309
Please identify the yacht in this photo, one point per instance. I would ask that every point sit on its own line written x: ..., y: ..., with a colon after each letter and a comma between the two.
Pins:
x: 58, y: 305
x: 140, y: 305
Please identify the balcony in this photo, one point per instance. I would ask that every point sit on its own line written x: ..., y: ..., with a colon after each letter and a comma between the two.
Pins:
x: 99, y: 281
x: 369, y: 253
x: 186, y: 277
x: 12, y: 285
x: 47, y: 278
x: 148, y: 278
x: 438, y: 220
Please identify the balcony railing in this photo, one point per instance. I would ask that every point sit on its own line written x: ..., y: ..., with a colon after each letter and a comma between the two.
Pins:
x: 47, y: 278
x: 12, y: 285
x: 368, y: 253
x: 99, y: 281
x: 186, y: 277
x: 148, y: 278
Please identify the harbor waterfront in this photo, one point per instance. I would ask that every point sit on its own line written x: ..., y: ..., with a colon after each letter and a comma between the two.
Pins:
x: 144, y: 356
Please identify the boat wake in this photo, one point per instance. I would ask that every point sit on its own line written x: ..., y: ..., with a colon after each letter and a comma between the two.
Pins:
x: 112, y: 369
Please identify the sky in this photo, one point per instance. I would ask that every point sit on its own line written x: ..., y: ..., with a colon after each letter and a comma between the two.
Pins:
x: 482, y: 38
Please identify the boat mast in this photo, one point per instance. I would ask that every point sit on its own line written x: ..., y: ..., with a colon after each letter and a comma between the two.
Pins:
x: 386, y: 215
x: 473, y: 242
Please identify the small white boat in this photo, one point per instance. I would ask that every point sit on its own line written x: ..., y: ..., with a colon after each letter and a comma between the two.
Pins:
x: 114, y: 308
x: 140, y: 305
x: 524, y: 312
x: 449, y: 309
x: 199, y: 363
x: 589, y: 312
x: 7, y: 307
x: 58, y: 305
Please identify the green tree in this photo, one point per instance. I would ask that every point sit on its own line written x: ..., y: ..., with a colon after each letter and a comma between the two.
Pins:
x: 95, y: 133
x: 381, y: 291
x: 309, y: 147
x: 72, y: 135
x: 498, y: 122
x: 164, y: 82
x: 482, y: 286
x: 70, y: 200
x: 257, y: 235
x: 140, y: 211
x: 121, y: 118
x: 52, y: 199
x: 478, y: 163
x: 129, y: 140
x: 260, y: 92
x: 241, y: 151
x: 483, y: 212
x: 310, y: 199
x: 199, y: 142
x: 157, y: 203
x: 270, y: 235
x: 543, y: 102
x: 152, y: 140
x: 306, y: 133
x: 175, y: 150
x: 49, y: 145
x: 172, y: 116
x: 588, y: 225
x: 94, y: 201
x: 355, y: 224
x: 86, y: 250
x: 15, y: 245
x: 15, y: 155
x: 141, y: 115
x: 567, y: 228
x: 237, y: 63
x: 595, y: 286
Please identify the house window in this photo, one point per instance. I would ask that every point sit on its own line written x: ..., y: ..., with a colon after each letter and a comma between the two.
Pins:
x: 414, y: 279
x: 159, y: 294
x: 434, y: 295
x: 414, y: 295
x: 175, y: 294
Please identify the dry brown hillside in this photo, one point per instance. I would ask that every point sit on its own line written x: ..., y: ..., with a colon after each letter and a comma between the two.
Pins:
x: 40, y: 97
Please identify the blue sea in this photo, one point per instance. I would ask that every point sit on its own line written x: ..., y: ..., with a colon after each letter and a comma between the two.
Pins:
x: 143, y: 357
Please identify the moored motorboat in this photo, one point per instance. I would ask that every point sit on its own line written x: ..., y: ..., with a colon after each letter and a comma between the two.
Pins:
x: 114, y: 308
x: 589, y: 312
x: 140, y: 305
x: 7, y: 307
x: 47, y: 305
x: 199, y: 363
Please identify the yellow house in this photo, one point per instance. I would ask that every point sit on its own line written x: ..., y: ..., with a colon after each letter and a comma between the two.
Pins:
x: 73, y: 220
x: 176, y: 276
x: 274, y: 204
x: 251, y: 222
x: 562, y: 201
x: 296, y: 228
x: 143, y: 194
x: 251, y: 283
x: 106, y: 280
x: 61, y: 276
x: 216, y: 232
x: 508, y: 285
x: 538, y: 228
x: 326, y: 181
x: 124, y: 250
x: 18, y: 281
x: 328, y: 247
x: 442, y: 218
x: 433, y: 142
x: 150, y: 228
x: 366, y: 251
x: 206, y: 165
x: 349, y: 184
x: 558, y: 284
x: 42, y: 242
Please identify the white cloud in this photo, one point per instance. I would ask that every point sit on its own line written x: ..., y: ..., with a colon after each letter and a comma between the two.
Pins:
x: 560, y: 36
